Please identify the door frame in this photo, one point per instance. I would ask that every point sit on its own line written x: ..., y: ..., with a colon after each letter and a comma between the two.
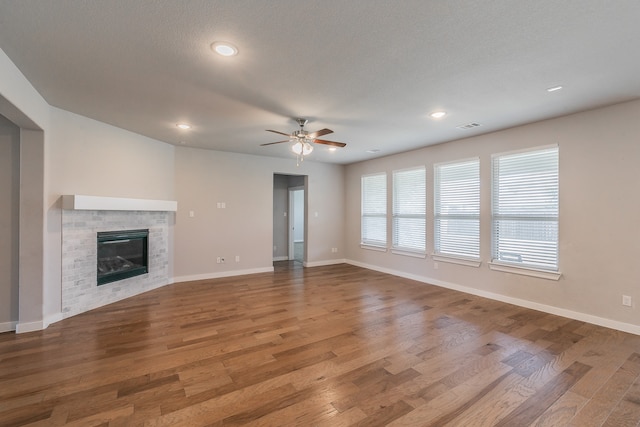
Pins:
x: 292, y: 217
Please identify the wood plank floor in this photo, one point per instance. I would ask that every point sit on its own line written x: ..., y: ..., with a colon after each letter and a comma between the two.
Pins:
x: 323, y: 346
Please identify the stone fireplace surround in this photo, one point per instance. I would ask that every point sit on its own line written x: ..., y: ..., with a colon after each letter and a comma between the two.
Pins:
x: 82, y: 218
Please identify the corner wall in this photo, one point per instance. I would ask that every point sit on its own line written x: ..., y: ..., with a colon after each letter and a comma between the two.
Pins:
x: 92, y: 158
x: 599, y: 206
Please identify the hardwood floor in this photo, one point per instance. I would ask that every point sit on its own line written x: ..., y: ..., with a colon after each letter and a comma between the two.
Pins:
x: 324, y: 346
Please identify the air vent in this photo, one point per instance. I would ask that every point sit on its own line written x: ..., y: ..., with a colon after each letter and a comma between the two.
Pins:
x: 469, y: 125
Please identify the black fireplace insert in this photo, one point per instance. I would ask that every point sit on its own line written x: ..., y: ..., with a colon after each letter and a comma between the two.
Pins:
x: 122, y: 254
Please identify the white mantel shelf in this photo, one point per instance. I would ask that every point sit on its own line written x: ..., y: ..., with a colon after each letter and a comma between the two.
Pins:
x: 98, y: 203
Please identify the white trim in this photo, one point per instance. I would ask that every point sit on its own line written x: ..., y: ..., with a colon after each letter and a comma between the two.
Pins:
x: 576, y: 315
x: 222, y: 274
x: 53, y: 319
x: 97, y: 203
x: 414, y: 254
x: 29, y: 327
x: 457, y: 260
x: 324, y: 262
x: 533, y: 272
x: 8, y: 326
x: 373, y: 248
x: 281, y: 258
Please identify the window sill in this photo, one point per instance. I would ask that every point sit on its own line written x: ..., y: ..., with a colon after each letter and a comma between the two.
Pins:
x: 456, y: 260
x: 373, y: 248
x: 405, y: 252
x: 542, y: 274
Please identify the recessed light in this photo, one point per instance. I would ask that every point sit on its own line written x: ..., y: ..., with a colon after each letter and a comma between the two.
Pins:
x: 553, y: 89
x: 373, y: 150
x: 438, y: 114
x: 332, y: 148
x: 224, y: 48
x: 184, y: 126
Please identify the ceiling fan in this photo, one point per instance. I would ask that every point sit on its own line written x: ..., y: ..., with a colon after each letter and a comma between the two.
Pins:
x: 303, y: 140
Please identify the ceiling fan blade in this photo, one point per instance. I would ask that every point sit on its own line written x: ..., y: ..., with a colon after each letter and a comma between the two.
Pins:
x: 278, y: 132
x: 271, y: 143
x: 320, y: 132
x: 335, y: 144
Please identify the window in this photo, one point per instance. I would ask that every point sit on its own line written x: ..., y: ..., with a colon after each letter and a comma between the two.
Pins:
x: 374, y: 210
x: 457, y: 209
x: 409, y: 208
x: 525, y: 209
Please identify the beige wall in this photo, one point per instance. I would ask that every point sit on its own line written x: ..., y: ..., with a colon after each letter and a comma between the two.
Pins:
x: 93, y: 158
x: 9, y: 222
x: 245, y: 227
x: 599, y: 209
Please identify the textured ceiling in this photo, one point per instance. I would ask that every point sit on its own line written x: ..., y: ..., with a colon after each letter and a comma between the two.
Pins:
x: 371, y: 70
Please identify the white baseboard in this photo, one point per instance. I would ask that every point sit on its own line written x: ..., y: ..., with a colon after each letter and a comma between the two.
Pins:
x: 221, y: 274
x: 8, y: 326
x: 29, y: 327
x: 281, y: 258
x: 324, y: 262
x: 576, y: 315
x: 52, y: 319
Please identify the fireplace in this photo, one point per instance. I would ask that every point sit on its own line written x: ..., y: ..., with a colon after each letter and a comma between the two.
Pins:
x: 122, y: 254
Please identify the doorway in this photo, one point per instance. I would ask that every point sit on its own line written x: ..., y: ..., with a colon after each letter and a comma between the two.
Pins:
x: 289, y: 218
x: 296, y: 224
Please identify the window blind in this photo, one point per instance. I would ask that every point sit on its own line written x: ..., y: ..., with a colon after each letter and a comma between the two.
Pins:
x: 457, y: 209
x: 525, y: 209
x: 374, y: 210
x: 409, y: 209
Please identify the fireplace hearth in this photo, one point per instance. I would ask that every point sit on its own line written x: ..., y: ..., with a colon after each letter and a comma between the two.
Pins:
x: 122, y: 254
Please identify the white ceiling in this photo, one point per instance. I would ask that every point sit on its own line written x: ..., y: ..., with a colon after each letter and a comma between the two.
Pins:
x: 371, y: 70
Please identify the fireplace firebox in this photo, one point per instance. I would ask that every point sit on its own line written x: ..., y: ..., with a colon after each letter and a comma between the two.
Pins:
x: 122, y: 254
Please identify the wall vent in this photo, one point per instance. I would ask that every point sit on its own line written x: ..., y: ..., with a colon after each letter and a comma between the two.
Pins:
x: 469, y: 125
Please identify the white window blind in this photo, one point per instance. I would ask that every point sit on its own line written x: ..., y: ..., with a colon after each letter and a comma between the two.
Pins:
x: 525, y: 209
x: 374, y: 210
x: 457, y: 209
x: 409, y: 208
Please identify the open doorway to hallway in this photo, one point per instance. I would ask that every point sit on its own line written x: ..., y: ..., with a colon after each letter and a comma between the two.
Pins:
x: 289, y: 218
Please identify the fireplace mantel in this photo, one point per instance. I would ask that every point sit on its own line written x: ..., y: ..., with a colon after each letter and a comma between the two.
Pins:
x: 98, y: 203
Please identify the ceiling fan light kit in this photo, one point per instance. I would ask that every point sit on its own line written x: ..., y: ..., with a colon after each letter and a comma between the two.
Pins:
x: 303, y: 140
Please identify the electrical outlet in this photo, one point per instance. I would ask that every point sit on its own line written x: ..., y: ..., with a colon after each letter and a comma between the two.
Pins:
x: 626, y: 300
x: 237, y: 258
x: 218, y: 260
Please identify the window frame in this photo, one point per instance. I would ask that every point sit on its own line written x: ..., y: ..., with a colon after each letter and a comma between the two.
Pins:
x: 406, y: 250
x: 366, y: 243
x: 462, y: 259
x: 518, y: 267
